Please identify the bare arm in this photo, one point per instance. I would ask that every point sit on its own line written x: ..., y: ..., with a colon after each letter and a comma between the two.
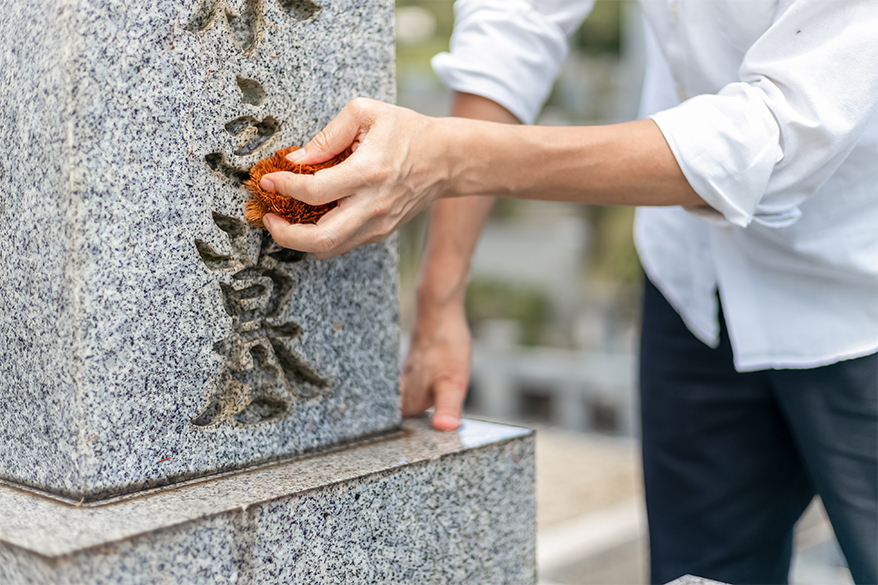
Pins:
x: 404, y: 161
x: 436, y: 370
x: 620, y: 164
x: 455, y: 223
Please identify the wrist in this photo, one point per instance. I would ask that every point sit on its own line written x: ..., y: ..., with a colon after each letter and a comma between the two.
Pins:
x: 486, y: 158
x: 451, y: 152
x: 467, y: 142
x: 440, y: 294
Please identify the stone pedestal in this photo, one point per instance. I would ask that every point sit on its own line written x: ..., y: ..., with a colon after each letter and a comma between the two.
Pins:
x: 165, y: 367
x: 419, y: 507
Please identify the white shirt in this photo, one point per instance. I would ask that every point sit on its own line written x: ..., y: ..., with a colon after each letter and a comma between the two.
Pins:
x: 771, y: 110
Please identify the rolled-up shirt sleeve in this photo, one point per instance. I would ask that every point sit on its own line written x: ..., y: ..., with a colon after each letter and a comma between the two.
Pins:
x: 808, y: 89
x: 509, y: 51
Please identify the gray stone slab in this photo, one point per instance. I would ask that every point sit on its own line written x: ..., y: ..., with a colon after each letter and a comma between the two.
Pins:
x: 422, y: 507
x: 136, y: 303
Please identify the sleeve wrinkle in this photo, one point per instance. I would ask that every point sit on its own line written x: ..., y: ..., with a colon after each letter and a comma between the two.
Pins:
x: 508, y: 51
x: 776, y: 138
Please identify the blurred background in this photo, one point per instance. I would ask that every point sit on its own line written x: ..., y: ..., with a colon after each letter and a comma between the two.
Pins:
x: 554, y: 306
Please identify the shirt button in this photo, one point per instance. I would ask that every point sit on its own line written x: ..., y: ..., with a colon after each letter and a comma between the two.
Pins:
x: 681, y: 92
x: 675, y: 10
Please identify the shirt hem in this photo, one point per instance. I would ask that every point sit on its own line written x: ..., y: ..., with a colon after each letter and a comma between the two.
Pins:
x: 802, y: 363
x: 704, y: 335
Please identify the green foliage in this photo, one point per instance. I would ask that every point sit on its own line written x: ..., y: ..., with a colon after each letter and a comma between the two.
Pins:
x: 613, y: 257
x: 494, y: 299
x: 417, y: 57
x: 602, y: 30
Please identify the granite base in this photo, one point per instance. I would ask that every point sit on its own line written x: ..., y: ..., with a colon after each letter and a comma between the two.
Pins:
x: 417, y: 507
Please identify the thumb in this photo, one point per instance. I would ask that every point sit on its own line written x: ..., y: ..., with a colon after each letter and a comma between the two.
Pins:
x: 336, y: 136
x: 449, y: 403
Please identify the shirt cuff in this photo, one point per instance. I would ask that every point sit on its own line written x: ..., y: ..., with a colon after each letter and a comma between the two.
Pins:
x: 727, y: 146
x: 505, y: 51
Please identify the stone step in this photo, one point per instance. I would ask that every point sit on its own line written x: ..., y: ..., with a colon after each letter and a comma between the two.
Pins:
x: 420, y: 507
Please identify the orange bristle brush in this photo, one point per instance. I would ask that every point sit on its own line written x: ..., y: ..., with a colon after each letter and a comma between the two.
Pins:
x: 292, y: 210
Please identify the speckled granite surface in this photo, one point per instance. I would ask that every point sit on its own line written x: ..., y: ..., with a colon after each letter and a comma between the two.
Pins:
x: 147, y: 334
x: 422, y: 508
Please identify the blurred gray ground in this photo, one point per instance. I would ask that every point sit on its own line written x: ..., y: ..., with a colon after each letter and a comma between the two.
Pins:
x: 591, y: 526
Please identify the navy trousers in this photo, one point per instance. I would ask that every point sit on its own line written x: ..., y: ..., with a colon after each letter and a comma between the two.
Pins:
x: 732, y: 459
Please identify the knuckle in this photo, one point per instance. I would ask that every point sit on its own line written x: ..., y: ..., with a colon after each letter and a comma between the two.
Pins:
x: 386, y: 226
x: 326, y: 242
x: 380, y: 208
x: 321, y: 141
x: 374, y: 175
x: 285, y: 184
x: 365, y: 109
x: 359, y: 104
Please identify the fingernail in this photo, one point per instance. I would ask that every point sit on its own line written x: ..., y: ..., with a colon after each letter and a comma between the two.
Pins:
x: 266, y: 184
x: 445, y: 422
x: 266, y: 222
x: 296, y: 155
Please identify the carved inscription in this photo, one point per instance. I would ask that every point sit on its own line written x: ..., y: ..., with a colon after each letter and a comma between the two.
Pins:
x: 252, y: 92
x: 251, y: 136
x: 247, y: 24
x: 262, y: 375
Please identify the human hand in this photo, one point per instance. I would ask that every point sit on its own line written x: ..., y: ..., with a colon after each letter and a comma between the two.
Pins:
x: 396, y: 169
x: 436, y: 369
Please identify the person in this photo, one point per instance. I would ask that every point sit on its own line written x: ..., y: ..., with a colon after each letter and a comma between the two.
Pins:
x: 756, y: 168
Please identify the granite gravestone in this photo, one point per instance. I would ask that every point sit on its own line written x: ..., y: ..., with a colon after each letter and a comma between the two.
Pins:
x: 184, y: 401
x: 149, y: 333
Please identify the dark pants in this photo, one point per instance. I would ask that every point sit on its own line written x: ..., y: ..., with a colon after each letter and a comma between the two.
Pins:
x: 731, y: 460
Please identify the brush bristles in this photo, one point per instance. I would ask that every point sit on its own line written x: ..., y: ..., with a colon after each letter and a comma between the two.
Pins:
x: 292, y: 210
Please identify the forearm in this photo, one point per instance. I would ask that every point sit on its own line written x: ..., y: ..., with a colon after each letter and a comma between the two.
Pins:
x: 404, y: 161
x: 620, y: 164
x: 456, y: 223
x: 455, y: 226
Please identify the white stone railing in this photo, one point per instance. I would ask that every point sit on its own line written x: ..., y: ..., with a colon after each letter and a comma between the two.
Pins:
x: 574, y: 381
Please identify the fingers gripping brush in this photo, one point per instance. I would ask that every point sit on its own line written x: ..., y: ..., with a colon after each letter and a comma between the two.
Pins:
x: 292, y: 210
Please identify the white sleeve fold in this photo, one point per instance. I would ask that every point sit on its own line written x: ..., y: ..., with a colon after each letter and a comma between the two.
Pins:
x: 509, y: 51
x: 808, y: 89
